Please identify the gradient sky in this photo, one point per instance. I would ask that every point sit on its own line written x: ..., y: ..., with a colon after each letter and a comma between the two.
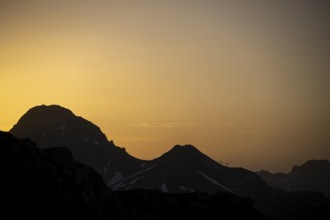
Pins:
x: 247, y: 82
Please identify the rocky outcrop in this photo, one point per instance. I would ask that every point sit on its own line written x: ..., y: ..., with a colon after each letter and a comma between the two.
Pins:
x: 46, y: 183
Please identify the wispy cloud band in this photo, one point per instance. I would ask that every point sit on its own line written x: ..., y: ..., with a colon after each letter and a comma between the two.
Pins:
x: 162, y: 124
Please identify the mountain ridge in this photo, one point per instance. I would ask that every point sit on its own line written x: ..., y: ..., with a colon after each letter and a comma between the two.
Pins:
x: 313, y: 175
x: 48, y: 184
x: 54, y: 125
x: 182, y: 169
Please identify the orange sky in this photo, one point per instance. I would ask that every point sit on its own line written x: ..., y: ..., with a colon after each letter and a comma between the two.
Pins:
x: 247, y: 82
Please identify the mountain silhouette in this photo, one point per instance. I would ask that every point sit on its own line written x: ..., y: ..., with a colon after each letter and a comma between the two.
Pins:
x: 54, y: 125
x: 183, y: 169
x: 314, y: 175
x: 49, y: 184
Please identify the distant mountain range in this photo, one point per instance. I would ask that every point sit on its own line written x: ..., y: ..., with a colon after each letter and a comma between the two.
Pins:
x: 48, y: 184
x: 184, y: 169
x: 314, y: 175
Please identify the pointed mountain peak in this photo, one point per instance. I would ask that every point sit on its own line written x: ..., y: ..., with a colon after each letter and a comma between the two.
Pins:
x: 183, y: 151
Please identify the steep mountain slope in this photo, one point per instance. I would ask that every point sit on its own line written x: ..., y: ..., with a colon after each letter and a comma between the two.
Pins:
x: 49, y: 184
x: 185, y: 169
x: 314, y: 175
x: 54, y: 125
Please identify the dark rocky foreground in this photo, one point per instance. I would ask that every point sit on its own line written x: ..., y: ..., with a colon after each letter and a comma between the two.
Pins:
x: 49, y: 184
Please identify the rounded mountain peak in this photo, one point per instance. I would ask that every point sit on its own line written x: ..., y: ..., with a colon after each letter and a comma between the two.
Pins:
x: 57, y: 122
x: 48, y: 111
x: 43, y: 116
x: 54, y: 108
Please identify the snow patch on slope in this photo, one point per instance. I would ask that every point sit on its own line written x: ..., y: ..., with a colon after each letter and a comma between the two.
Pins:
x: 143, y: 171
x: 124, y: 182
x: 164, y: 187
x: 135, y: 180
x: 183, y: 188
x: 62, y: 128
x: 186, y: 189
x: 212, y: 163
x: 118, y: 176
x: 214, y: 181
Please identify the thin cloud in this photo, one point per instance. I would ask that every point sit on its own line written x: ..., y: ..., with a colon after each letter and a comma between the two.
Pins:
x: 162, y: 124
x: 144, y: 139
x: 246, y: 132
x: 232, y: 123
